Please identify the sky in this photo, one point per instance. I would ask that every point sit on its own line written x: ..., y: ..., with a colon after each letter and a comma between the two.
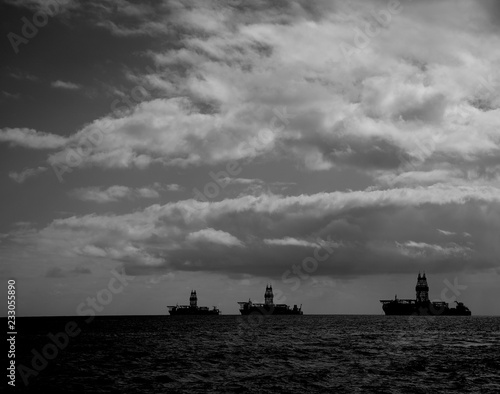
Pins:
x: 333, y: 149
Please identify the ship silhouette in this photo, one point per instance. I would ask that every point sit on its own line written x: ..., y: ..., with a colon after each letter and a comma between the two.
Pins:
x: 421, y: 305
x: 192, y: 308
x: 268, y: 307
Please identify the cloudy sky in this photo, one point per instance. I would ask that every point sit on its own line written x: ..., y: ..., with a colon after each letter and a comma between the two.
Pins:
x: 331, y: 148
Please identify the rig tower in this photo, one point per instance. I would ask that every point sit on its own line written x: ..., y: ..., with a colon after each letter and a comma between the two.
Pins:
x: 193, y: 299
x: 268, y: 296
x: 422, y: 289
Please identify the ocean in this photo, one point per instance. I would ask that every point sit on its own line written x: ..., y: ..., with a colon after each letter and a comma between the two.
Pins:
x: 274, y: 354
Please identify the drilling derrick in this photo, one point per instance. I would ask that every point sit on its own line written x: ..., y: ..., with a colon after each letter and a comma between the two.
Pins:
x: 422, y: 289
x: 268, y: 296
x: 193, y: 299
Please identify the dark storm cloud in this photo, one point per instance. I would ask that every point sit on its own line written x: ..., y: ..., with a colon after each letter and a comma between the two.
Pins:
x: 364, y: 233
x: 268, y: 84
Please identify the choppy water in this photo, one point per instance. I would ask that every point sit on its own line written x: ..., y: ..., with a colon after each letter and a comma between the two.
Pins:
x: 218, y: 354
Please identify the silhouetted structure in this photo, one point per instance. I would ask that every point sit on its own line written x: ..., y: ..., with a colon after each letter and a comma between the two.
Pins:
x: 421, y: 304
x: 192, y: 308
x: 268, y: 307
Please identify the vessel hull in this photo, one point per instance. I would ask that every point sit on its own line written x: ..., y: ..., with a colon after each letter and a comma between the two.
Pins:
x: 193, y: 312
x: 397, y: 309
x: 270, y: 311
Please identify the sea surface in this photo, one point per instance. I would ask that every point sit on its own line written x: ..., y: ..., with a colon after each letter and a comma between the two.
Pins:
x: 273, y: 354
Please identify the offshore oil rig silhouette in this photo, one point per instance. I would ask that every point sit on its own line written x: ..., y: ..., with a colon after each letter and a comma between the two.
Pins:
x: 421, y: 305
x: 192, y: 308
x: 246, y: 308
x: 268, y: 307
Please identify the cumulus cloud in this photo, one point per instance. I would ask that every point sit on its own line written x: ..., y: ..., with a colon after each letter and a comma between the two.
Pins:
x: 20, y: 177
x: 289, y: 241
x: 241, y: 181
x: 429, y: 250
x: 51, y: 8
x: 13, y: 96
x: 146, y: 192
x: 23, y: 76
x: 211, y: 235
x: 113, y: 193
x: 174, y: 187
x: 29, y: 138
x: 65, y: 85
x: 444, y: 232
x: 272, y: 86
x: 363, y: 232
x: 403, y: 114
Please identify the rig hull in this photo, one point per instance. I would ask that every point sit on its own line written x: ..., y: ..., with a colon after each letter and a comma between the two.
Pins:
x: 398, y: 307
x: 269, y: 310
x: 176, y: 311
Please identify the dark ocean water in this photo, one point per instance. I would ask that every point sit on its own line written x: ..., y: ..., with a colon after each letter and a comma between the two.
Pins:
x: 289, y: 354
